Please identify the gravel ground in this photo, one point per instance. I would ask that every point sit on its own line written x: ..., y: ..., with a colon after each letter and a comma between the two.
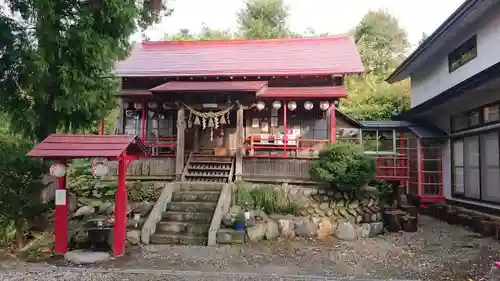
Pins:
x: 438, y: 251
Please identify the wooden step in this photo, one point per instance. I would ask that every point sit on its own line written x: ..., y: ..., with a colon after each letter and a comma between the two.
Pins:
x: 228, y: 169
x: 209, y: 175
x: 189, y: 186
x: 182, y: 239
x: 199, y: 161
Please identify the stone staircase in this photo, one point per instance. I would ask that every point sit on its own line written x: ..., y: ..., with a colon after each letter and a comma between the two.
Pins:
x: 188, y: 216
x: 208, y: 168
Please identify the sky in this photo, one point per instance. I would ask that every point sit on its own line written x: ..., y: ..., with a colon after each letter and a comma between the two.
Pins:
x: 332, y: 16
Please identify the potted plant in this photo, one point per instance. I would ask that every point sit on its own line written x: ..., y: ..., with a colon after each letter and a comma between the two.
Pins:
x: 239, y: 222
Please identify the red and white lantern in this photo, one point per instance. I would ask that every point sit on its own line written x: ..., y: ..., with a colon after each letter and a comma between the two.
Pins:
x: 276, y: 104
x: 100, y: 168
x: 153, y: 105
x: 138, y: 106
x: 57, y: 170
x: 324, y: 105
x: 308, y: 105
x: 292, y: 105
x: 260, y: 105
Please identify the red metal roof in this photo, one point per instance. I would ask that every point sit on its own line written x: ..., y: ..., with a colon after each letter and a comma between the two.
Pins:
x: 292, y: 56
x: 226, y: 86
x: 304, y: 92
x: 85, y: 146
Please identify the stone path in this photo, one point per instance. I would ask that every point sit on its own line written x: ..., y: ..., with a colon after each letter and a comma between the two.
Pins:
x: 438, y: 251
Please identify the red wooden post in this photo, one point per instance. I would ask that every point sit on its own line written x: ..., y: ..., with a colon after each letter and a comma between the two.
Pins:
x: 61, y: 228
x: 143, y: 121
x: 101, y: 127
x: 285, y: 130
x: 120, y: 210
x: 333, y: 121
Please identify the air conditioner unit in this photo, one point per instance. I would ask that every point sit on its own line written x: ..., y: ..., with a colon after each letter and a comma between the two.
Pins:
x: 129, y: 113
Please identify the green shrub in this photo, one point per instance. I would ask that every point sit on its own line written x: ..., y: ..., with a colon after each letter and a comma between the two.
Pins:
x: 265, y: 198
x: 344, y: 166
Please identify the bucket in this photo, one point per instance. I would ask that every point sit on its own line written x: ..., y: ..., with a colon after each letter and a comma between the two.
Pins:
x: 239, y: 226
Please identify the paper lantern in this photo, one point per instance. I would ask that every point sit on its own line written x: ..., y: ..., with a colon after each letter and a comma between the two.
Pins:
x: 324, y: 105
x: 138, y: 105
x: 308, y: 105
x: 260, y: 105
x: 153, y: 105
x: 166, y: 106
x: 276, y: 105
x: 57, y: 170
x: 292, y: 105
x: 100, y: 170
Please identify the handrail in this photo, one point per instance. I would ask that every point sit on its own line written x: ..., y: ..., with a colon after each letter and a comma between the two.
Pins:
x: 186, y: 164
x: 223, y: 205
x: 155, y: 216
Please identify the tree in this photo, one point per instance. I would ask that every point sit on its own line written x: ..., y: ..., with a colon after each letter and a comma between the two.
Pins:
x: 424, y: 37
x: 20, y: 186
x: 206, y: 33
x: 381, y: 41
x: 382, y: 44
x: 57, y: 57
x: 372, y: 99
x: 264, y: 19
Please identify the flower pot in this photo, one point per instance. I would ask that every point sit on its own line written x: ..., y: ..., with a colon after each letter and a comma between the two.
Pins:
x: 239, y: 226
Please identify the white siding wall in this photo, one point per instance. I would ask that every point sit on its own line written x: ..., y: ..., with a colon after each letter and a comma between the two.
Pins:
x: 434, y: 79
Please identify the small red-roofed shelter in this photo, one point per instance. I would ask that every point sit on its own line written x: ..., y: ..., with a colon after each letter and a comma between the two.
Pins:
x: 63, y: 148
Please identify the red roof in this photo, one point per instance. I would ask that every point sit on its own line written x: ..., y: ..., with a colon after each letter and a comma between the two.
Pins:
x: 292, y: 56
x: 225, y: 86
x: 305, y: 92
x: 85, y: 146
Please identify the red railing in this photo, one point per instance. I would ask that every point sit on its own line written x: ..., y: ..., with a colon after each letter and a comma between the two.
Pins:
x: 290, y: 146
x: 163, y: 143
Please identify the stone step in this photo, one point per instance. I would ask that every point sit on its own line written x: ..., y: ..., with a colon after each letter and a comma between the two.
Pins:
x: 218, y: 168
x: 183, y: 227
x: 191, y: 206
x: 187, y: 186
x: 183, y: 239
x: 211, y: 196
x: 200, y: 217
x: 230, y: 236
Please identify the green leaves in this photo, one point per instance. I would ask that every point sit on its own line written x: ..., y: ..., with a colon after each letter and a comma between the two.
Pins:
x: 263, y: 19
x: 55, y: 69
x: 344, y: 166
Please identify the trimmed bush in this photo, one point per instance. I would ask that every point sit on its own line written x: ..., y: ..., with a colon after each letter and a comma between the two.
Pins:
x: 344, y: 166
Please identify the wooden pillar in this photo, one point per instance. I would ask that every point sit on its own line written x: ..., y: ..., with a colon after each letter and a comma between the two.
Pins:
x: 333, y: 123
x: 120, y: 210
x: 240, y: 139
x: 61, y: 224
x: 144, y: 117
x: 179, y: 154
x: 196, y: 138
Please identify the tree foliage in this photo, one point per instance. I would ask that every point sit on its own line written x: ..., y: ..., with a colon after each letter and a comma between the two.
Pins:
x: 57, y: 56
x: 381, y: 41
x: 344, y: 165
x: 206, y: 33
x: 264, y: 19
x: 20, y: 185
x: 382, y: 45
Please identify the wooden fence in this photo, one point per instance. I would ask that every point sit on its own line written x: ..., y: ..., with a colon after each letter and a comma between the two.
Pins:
x: 158, y: 168
x: 277, y: 170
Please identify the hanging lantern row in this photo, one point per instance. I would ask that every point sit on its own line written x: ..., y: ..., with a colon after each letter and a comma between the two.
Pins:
x: 292, y: 105
x: 151, y: 105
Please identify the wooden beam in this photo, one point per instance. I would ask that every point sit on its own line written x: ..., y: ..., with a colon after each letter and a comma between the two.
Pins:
x: 179, y: 155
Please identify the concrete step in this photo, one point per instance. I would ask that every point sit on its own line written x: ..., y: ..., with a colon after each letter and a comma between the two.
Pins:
x: 205, y: 217
x: 179, y: 227
x: 183, y: 239
x: 211, y: 196
x: 230, y: 236
x: 189, y: 186
x: 192, y: 206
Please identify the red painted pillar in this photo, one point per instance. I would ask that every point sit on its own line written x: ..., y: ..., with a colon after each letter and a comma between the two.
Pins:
x: 61, y: 223
x: 333, y: 123
x: 285, y: 130
x: 143, y: 121
x: 120, y: 210
x: 101, y: 127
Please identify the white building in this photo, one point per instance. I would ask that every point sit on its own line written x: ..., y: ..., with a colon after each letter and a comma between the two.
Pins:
x: 455, y: 81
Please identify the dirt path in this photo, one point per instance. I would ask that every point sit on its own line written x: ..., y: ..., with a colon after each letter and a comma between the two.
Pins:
x: 438, y: 251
